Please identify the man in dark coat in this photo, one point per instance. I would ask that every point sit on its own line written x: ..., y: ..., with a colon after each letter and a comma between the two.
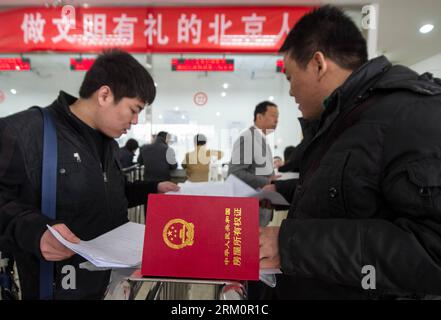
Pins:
x: 365, y: 220
x: 158, y: 158
x: 127, y: 153
x: 91, y: 196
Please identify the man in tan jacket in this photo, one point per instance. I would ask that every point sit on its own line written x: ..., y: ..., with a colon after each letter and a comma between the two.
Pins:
x: 197, y: 162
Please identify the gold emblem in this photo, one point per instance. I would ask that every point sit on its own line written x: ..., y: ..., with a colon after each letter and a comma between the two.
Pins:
x: 178, y: 233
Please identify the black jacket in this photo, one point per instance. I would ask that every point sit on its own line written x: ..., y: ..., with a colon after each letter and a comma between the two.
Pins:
x: 374, y: 197
x: 90, y: 200
x: 158, y: 160
x: 309, y: 129
x: 287, y: 187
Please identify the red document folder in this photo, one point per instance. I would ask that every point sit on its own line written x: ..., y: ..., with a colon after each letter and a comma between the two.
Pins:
x: 201, y: 237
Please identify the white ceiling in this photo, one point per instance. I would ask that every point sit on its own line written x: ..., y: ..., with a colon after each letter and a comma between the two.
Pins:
x: 399, y: 20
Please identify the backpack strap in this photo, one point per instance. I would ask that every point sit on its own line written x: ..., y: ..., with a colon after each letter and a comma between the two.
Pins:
x: 48, y: 195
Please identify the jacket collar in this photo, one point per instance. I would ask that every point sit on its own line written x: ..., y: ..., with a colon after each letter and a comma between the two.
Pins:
x: 61, y: 108
x: 359, y: 82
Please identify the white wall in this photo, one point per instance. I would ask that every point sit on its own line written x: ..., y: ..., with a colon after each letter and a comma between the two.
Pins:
x: 432, y: 65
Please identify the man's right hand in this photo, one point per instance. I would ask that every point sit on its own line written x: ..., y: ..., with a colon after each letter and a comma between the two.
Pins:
x: 274, y: 177
x: 167, y: 186
x: 269, y: 187
x: 54, y: 250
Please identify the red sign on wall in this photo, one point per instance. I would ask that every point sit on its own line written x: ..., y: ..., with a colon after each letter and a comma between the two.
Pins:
x: 203, y: 65
x: 168, y: 29
x: 81, y: 64
x: 15, y: 64
x: 280, y: 67
x: 200, y: 98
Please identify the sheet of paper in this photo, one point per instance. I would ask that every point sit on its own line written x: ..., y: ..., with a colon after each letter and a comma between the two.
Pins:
x: 288, y: 175
x: 232, y: 187
x: 241, y: 189
x: 118, y: 248
x: 205, y: 189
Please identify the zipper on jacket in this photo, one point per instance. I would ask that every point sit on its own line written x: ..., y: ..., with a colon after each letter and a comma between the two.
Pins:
x: 104, y: 170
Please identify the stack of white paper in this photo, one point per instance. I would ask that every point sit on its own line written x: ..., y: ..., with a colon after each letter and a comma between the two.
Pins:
x: 118, y: 248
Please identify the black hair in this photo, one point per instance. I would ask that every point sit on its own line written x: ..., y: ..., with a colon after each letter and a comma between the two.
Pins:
x: 200, y: 139
x: 329, y: 30
x: 131, y: 145
x: 262, y: 107
x: 125, y: 76
x: 162, y: 136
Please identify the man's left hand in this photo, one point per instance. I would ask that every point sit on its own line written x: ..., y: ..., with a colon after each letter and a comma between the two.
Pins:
x: 167, y: 186
x: 269, y: 248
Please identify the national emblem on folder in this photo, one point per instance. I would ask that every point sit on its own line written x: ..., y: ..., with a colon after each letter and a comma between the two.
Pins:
x: 178, y: 233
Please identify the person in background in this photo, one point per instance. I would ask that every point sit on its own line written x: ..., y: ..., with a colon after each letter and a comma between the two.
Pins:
x: 278, y: 162
x: 158, y: 158
x: 197, y: 162
x: 127, y: 153
x: 251, y: 157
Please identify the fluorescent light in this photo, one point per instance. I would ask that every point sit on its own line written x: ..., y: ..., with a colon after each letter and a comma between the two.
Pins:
x: 426, y: 28
x: 13, y: 91
x: 225, y: 85
x: 223, y: 94
x: 176, y: 108
x: 218, y: 114
x: 183, y: 117
x: 160, y: 116
x: 271, y: 98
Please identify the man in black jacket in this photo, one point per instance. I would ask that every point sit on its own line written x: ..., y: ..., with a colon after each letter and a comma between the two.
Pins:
x: 158, y: 167
x: 365, y: 220
x: 92, y: 196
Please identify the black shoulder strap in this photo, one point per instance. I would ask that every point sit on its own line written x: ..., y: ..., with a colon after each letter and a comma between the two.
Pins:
x: 48, y: 195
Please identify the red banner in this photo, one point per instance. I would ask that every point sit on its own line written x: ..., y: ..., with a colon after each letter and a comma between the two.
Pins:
x: 157, y: 30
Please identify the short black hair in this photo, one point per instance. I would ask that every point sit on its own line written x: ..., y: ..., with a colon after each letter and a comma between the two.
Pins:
x: 125, y: 76
x: 162, y: 136
x: 200, y: 139
x: 329, y: 30
x: 131, y: 144
x: 262, y: 107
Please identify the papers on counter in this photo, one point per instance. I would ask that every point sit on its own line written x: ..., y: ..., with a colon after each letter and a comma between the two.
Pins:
x: 118, y: 248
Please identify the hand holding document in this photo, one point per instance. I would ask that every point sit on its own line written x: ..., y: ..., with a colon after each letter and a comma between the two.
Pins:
x: 118, y: 248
